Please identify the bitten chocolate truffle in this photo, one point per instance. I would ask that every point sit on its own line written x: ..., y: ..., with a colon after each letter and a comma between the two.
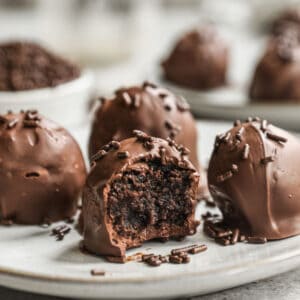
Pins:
x: 139, y: 189
x: 26, y: 66
x: 199, y: 60
x: 254, y: 178
x: 149, y: 108
x: 42, y: 170
x: 277, y: 74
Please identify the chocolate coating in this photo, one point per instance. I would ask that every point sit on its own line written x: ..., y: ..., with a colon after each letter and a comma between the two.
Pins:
x: 106, y: 234
x: 41, y: 170
x: 289, y: 18
x: 149, y: 108
x: 277, y: 74
x: 199, y: 60
x: 254, y: 178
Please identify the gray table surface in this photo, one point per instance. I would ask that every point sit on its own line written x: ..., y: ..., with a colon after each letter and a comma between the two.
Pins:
x: 281, y: 287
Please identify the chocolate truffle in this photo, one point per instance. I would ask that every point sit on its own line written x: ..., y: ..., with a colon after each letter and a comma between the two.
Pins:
x: 254, y: 178
x: 26, y: 66
x: 277, y: 75
x: 289, y: 18
x: 42, y: 170
x: 149, y: 108
x: 139, y: 189
x: 199, y: 60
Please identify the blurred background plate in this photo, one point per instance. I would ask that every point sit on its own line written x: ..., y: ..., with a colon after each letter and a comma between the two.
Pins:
x: 230, y: 103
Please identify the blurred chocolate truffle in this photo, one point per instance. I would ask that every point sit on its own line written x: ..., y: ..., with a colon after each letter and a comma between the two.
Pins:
x: 149, y: 108
x: 42, y: 170
x: 277, y: 74
x: 26, y: 66
x: 139, y: 189
x: 199, y: 60
x: 289, y: 18
x: 254, y: 178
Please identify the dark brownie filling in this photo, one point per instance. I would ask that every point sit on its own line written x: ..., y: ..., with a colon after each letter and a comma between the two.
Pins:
x: 156, y: 196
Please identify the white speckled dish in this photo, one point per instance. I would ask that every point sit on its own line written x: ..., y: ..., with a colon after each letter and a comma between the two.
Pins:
x: 31, y: 260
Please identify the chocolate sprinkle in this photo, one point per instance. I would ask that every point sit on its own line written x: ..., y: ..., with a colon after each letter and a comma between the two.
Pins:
x: 123, y: 154
x: 246, y: 151
x: 30, y: 123
x: 60, y: 231
x: 235, y: 236
x: 127, y: 99
x: 256, y: 240
x: 264, y: 125
x: 223, y: 177
x: 175, y: 259
x: 11, y: 124
x: 237, y: 123
x: 99, y: 155
x: 239, y: 133
x: 198, y: 249
x: 183, y: 249
x: 96, y: 272
x: 234, y: 168
x: 267, y: 159
x: 276, y: 138
x: 149, y: 84
x: 222, y: 241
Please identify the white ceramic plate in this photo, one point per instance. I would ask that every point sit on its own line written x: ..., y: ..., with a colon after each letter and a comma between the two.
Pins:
x: 229, y: 103
x: 67, y: 103
x: 31, y: 260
